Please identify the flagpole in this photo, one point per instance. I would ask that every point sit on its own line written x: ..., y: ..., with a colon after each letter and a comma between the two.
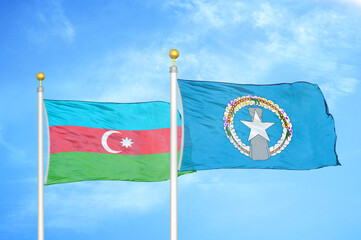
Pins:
x: 173, y: 148
x: 40, y: 76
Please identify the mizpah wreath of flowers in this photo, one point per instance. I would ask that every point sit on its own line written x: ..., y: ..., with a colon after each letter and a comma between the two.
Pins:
x: 236, y: 104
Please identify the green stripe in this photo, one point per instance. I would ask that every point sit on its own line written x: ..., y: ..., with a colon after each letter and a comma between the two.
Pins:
x: 68, y: 167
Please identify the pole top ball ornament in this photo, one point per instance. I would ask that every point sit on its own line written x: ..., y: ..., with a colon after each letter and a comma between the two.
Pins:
x: 173, y: 54
x: 40, y: 76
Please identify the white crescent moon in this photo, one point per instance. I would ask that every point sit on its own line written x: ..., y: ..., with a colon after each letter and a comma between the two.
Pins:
x: 105, y: 139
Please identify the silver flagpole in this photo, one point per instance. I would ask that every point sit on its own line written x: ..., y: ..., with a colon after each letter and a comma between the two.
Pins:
x: 173, y: 148
x: 40, y: 76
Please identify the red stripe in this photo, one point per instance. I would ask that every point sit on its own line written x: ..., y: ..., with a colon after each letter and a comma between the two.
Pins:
x: 84, y: 139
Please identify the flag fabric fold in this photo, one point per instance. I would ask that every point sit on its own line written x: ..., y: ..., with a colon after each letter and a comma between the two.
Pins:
x: 279, y: 126
x: 108, y: 141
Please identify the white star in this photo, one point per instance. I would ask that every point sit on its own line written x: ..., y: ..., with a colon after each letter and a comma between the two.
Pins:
x: 126, y: 142
x: 257, y: 127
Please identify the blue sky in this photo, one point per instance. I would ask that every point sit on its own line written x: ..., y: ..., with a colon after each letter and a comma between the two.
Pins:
x: 118, y: 51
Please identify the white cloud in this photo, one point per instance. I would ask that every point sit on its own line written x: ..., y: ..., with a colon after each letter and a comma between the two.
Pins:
x: 96, y: 201
x: 85, y: 204
x: 13, y: 152
x: 336, y: 88
x: 267, y: 16
x: 53, y: 22
x: 82, y: 206
x: 211, y: 13
x: 232, y: 42
x: 356, y: 3
x: 306, y: 41
x: 313, y: 44
x: 213, y: 185
x: 348, y: 85
x: 135, y: 75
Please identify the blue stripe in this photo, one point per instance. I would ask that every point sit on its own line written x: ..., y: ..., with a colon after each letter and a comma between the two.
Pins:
x: 124, y: 116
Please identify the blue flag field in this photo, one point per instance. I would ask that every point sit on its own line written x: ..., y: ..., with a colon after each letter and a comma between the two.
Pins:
x: 279, y: 126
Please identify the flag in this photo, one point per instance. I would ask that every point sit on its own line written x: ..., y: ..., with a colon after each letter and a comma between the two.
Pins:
x: 278, y: 126
x: 108, y: 141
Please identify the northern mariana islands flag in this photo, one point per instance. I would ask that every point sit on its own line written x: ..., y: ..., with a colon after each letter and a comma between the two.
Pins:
x: 279, y: 126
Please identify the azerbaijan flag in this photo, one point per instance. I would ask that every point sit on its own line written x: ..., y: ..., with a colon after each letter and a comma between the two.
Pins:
x: 108, y: 141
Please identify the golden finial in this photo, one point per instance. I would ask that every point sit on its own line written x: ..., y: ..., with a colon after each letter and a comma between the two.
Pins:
x: 173, y: 54
x: 40, y: 76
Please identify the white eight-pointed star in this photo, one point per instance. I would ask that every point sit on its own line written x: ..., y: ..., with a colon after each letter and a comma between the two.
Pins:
x: 257, y: 127
x: 127, y: 142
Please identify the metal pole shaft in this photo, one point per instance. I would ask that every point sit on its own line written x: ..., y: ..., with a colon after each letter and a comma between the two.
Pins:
x: 40, y: 91
x: 173, y: 155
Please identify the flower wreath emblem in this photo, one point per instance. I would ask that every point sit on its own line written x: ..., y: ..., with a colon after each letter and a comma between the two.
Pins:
x: 236, y: 104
